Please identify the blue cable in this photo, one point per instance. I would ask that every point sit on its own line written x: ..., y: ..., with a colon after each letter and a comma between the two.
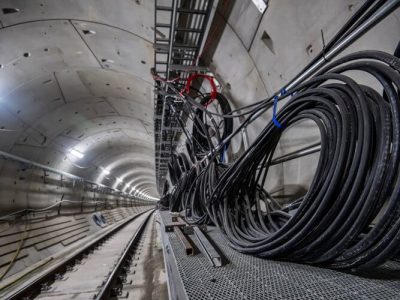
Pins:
x: 223, y: 154
x: 276, y: 122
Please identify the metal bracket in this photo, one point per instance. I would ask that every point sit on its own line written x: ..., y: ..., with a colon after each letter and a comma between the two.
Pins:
x: 208, y: 249
x: 184, y: 240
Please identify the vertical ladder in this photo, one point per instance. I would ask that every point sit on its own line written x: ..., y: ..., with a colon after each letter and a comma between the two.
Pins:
x: 179, y: 31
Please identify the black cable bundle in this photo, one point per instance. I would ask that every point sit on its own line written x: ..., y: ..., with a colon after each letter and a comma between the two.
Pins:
x: 188, y: 191
x: 180, y: 171
x: 201, y: 135
x: 350, y: 216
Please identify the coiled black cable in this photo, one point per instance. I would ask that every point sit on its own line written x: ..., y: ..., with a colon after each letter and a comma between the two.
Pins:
x: 350, y: 216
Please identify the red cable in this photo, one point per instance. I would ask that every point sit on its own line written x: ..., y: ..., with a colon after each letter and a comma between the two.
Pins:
x: 209, y: 78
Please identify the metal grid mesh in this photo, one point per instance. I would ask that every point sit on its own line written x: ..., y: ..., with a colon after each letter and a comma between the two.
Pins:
x: 248, y: 277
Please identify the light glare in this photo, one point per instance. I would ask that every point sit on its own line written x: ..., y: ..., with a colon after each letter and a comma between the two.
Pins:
x: 105, y: 171
x: 76, y: 153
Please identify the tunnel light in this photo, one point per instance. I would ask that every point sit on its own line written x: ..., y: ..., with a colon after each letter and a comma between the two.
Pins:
x: 105, y: 171
x: 118, y: 179
x: 76, y: 153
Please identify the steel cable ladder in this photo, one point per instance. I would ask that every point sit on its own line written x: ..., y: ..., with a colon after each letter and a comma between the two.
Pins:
x: 179, y: 31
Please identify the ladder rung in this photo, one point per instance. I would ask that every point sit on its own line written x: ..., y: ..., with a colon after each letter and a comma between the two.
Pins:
x: 189, y: 59
x: 194, y: 30
x: 163, y: 7
x: 175, y: 46
x: 185, y: 46
x: 162, y: 40
x: 182, y: 10
x: 192, y: 11
x: 161, y: 51
x: 163, y: 25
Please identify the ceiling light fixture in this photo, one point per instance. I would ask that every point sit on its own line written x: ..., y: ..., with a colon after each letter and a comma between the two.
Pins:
x: 105, y: 171
x: 76, y: 153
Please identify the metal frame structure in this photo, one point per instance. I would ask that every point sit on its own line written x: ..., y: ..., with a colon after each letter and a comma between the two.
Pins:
x: 179, y: 31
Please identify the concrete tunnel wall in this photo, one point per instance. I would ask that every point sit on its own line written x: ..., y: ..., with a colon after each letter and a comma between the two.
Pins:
x: 75, y: 75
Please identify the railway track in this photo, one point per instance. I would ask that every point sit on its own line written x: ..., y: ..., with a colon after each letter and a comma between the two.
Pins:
x: 97, y: 271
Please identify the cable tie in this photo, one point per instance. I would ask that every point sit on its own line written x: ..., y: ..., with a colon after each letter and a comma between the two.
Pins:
x: 276, y: 122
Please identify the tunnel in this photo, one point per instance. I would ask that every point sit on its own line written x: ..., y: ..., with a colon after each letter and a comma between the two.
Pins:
x: 199, y: 149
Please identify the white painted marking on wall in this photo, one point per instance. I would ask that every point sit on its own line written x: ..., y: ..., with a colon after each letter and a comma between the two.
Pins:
x: 260, y: 4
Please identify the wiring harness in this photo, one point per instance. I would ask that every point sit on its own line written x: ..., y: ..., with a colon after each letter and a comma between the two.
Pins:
x: 350, y: 216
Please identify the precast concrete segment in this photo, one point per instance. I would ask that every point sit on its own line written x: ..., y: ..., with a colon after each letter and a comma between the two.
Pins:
x: 87, y: 277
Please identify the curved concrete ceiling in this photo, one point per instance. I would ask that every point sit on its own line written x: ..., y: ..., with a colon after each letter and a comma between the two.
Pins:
x: 76, y: 75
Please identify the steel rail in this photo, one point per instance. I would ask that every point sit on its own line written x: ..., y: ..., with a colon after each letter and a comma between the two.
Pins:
x: 33, y: 288
x: 106, y: 289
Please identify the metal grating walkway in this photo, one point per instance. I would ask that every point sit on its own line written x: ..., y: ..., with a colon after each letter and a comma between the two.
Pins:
x: 248, y: 277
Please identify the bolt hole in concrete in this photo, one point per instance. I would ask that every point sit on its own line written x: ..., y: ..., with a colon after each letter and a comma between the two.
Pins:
x: 309, y: 49
x: 88, y: 32
x: 10, y: 10
x: 27, y: 54
x: 143, y: 62
x: 107, y: 60
x: 266, y: 39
